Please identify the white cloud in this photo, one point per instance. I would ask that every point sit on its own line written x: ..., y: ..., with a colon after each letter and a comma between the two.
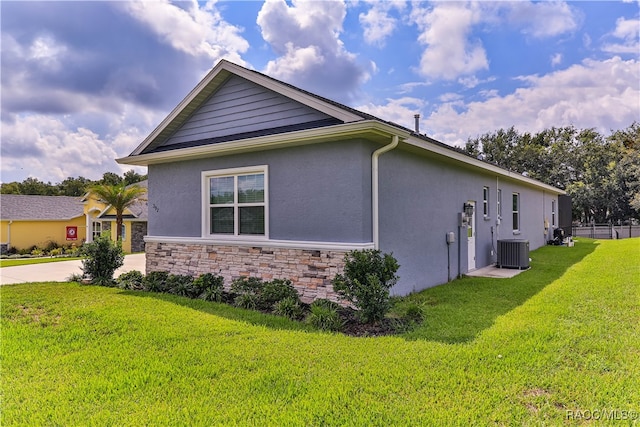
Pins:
x: 378, y: 23
x: 195, y: 30
x: 556, y: 59
x: 400, y: 111
x: 306, y: 36
x: 445, y: 30
x: 543, y: 19
x: 595, y: 94
x: 628, y: 30
x: 450, y: 96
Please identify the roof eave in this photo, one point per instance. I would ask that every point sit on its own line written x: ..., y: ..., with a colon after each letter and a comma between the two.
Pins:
x: 370, y: 128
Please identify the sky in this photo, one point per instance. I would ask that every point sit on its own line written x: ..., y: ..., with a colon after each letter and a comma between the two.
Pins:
x: 83, y: 83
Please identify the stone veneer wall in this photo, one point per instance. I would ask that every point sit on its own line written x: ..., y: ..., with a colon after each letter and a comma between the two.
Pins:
x: 138, y: 231
x: 310, y: 271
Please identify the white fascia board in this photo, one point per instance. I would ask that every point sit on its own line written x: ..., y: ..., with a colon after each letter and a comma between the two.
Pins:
x: 253, y: 242
x: 309, y: 136
x: 463, y: 158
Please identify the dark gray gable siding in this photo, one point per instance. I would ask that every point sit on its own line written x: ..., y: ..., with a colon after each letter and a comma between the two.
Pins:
x: 241, y: 107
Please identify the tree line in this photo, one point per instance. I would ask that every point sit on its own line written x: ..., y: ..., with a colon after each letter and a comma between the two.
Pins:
x: 71, y: 186
x: 601, y: 174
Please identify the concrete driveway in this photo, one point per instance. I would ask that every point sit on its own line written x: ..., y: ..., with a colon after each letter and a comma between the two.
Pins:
x: 60, y: 271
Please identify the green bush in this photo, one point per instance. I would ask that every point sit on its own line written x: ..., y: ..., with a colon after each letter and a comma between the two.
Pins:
x: 275, y: 291
x: 180, y: 284
x: 37, y: 252
x: 252, y: 292
x: 246, y: 300
x: 289, y: 307
x: 325, y: 316
x: 209, y: 287
x: 246, y: 285
x: 131, y: 280
x: 368, y: 277
x: 102, y: 258
x: 155, y: 281
x: 55, y: 252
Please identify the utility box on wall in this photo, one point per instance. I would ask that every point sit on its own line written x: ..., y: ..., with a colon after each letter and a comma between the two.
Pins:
x: 513, y: 253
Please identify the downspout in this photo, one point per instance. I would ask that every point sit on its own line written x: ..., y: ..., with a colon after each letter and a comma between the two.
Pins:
x: 375, y: 214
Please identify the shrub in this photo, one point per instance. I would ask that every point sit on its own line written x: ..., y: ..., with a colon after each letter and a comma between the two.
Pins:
x: 246, y: 300
x: 325, y: 316
x: 289, y: 307
x: 246, y: 291
x: 246, y: 285
x: 55, y: 252
x: 275, y: 291
x: 368, y: 276
x: 37, y: 252
x: 180, y: 284
x: 51, y: 245
x: 75, y: 277
x: 252, y: 292
x: 155, y: 281
x: 209, y: 287
x: 102, y: 258
x: 131, y: 280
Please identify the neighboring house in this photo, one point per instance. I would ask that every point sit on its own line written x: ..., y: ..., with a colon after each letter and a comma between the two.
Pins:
x: 27, y: 221
x: 252, y: 176
x: 102, y: 218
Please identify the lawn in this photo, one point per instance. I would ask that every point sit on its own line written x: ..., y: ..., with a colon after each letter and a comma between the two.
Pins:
x: 558, y: 344
x: 26, y: 261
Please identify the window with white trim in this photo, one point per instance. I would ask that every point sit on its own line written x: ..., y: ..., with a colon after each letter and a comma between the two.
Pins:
x: 485, y: 201
x: 553, y: 213
x: 96, y: 229
x: 516, y: 211
x: 236, y: 202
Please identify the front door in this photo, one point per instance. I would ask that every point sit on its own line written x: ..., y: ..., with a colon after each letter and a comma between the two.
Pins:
x: 471, y: 239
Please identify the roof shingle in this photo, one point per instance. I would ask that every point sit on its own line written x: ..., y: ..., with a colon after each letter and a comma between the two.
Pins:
x: 28, y: 207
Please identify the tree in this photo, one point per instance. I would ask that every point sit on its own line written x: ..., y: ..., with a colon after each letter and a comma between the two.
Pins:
x: 131, y: 177
x: 110, y: 178
x: 74, y: 186
x: 119, y: 197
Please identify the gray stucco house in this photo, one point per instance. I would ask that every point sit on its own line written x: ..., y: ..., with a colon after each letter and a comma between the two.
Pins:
x: 249, y: 175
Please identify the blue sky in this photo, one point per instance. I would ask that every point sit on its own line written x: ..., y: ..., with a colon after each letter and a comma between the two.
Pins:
x: 84, y: 83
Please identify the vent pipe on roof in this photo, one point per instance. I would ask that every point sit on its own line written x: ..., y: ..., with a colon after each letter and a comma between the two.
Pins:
x: 417, y: 122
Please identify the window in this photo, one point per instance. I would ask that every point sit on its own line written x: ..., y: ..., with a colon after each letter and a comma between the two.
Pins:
x: 499, y: 202
x: 485, y: 201
x: 516, y: 211
x: 235, y: 201
x: 553, y: 213
x: 124, y: 232
x: 96, y: 230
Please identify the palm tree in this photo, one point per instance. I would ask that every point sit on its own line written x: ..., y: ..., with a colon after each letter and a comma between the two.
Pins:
x: 118, y: 197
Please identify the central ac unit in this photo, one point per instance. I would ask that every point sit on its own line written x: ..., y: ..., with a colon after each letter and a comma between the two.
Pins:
x: 513, y: 253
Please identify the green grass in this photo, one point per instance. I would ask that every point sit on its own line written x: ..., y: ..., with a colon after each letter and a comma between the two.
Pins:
x: 27, y: 261
x: 561, y: 338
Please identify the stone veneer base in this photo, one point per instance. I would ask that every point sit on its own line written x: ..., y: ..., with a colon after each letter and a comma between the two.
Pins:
x: 309, y: 270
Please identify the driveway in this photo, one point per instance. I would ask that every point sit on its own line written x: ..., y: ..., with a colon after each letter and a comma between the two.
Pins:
x: 60, y: 271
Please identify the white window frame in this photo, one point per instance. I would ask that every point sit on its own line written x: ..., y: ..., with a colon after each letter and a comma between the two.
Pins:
x: 206, y: 205
x: 96, y: 230
x: 515, y: 212
x: 485, y: 202
x: 553, y: 213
